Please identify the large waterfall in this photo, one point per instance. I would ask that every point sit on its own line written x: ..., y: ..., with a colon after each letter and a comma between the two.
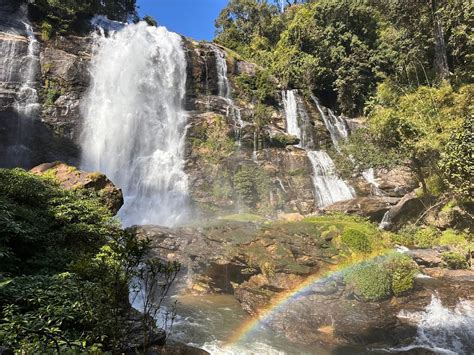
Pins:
x: 135, y: 123
x: 329, y: 188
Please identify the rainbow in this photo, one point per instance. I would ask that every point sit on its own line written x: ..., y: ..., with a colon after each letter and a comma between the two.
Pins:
x: 277, y: 304
x: 283, y: 299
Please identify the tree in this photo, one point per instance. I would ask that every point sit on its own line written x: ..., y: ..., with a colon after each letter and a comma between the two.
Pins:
x: 241, y: 20
x: 457, y: 160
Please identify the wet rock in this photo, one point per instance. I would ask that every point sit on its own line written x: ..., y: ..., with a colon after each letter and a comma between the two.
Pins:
x: 396, y: 182
x: 70, y: 177
x: 426, y: 257
x: 408, y: 208
x: 175, y: 349
x: 372, y: 207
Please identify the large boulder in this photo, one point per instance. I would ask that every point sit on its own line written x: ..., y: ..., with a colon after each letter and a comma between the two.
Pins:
x: 70, y: 177
x: 407, y: 208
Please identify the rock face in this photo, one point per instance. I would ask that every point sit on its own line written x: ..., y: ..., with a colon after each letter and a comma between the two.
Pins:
x: 71, y: 178
x: 372, y: 207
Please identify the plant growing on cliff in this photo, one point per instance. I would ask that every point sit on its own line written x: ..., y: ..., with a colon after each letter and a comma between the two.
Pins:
x: 251, y: 185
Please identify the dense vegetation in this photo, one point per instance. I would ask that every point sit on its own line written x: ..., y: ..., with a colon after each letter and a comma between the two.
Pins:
x: 64, y: 16
x: 65, y: 268
x: 405, y: 65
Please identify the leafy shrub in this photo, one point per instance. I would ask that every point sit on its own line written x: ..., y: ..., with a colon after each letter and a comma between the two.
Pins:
x: 402, y: 270
x: 251, y: 185
x: 454, y: 240
x: 46, y: 30
x: 406, y: 235
x: 457, y: 162
x: 369, y: 280
x: 44, y: 227
x: 455, y: 260
x: 52, y: 312
x: 425, y: 237
x: 356, y: 240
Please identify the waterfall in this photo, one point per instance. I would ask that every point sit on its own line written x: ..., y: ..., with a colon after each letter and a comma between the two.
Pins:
x: 225, y: 92
x: 336, y: 125
x: 291, y: 113
x: 18, y: 69
x: 329, y: 188
x: 369, y: 176
x: 386, y: 221
x: 135, y: 123
x: 442, y: 330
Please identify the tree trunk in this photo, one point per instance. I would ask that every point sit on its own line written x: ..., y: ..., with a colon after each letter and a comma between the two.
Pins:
x: 440, y: 59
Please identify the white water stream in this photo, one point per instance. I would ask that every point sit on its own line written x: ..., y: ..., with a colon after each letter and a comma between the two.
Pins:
x: 329, y: 188
x: 135, y: 123
x: 225, y: 92
x: 443, y: 330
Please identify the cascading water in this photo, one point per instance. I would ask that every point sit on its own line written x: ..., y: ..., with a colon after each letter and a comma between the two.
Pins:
x: 291, y: 114
x: 329, y: 188
x: 443, y: 330
x: 336, y: 125
x: 135, y: 124
x: 18, y: 69
x: 225, y: 92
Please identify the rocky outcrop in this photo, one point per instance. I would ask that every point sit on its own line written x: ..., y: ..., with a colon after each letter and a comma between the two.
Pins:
x: 408, y: 208
x: 70, y: 177
x: 265, y: 264
x: 372, y: 207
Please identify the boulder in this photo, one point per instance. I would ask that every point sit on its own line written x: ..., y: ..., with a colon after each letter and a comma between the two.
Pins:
x: 408, y: 208
x: 70, y: 178
x: 426, y: 257
x: 372, y: 207
x: 396, y: 182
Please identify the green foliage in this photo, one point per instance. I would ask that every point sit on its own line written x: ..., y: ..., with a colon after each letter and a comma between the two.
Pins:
x: 402, y: 270
x: 150, y: 20
x: 454, y: 240
x: 425, y: 237
x: 46, y: 30
x: 251, y: 185
x: 457, y: 160
x: 369, y: 280
x: 378, y: 279
x: 45, y: 227
x: 455, y: 260
x: 213, y: 143
x: 49, y: 312
x: 70, y: 267
x: 356, y: 240
x: 360, y: 152
x: 259, y: 88
x: 64, y: 16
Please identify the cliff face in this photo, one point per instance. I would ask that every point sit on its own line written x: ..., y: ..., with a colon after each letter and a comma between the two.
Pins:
x: 236, y: 158
x: 218, y: 147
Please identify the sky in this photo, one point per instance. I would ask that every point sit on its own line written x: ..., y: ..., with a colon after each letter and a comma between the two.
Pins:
x: 192, y: 18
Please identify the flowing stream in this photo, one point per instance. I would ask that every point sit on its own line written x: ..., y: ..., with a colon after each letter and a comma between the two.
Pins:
x: 442, y: 330
x: 135, y: 123
x: 329, y: 188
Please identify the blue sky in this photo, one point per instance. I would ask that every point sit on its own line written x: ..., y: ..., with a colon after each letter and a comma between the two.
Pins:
x: 192, y: 18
